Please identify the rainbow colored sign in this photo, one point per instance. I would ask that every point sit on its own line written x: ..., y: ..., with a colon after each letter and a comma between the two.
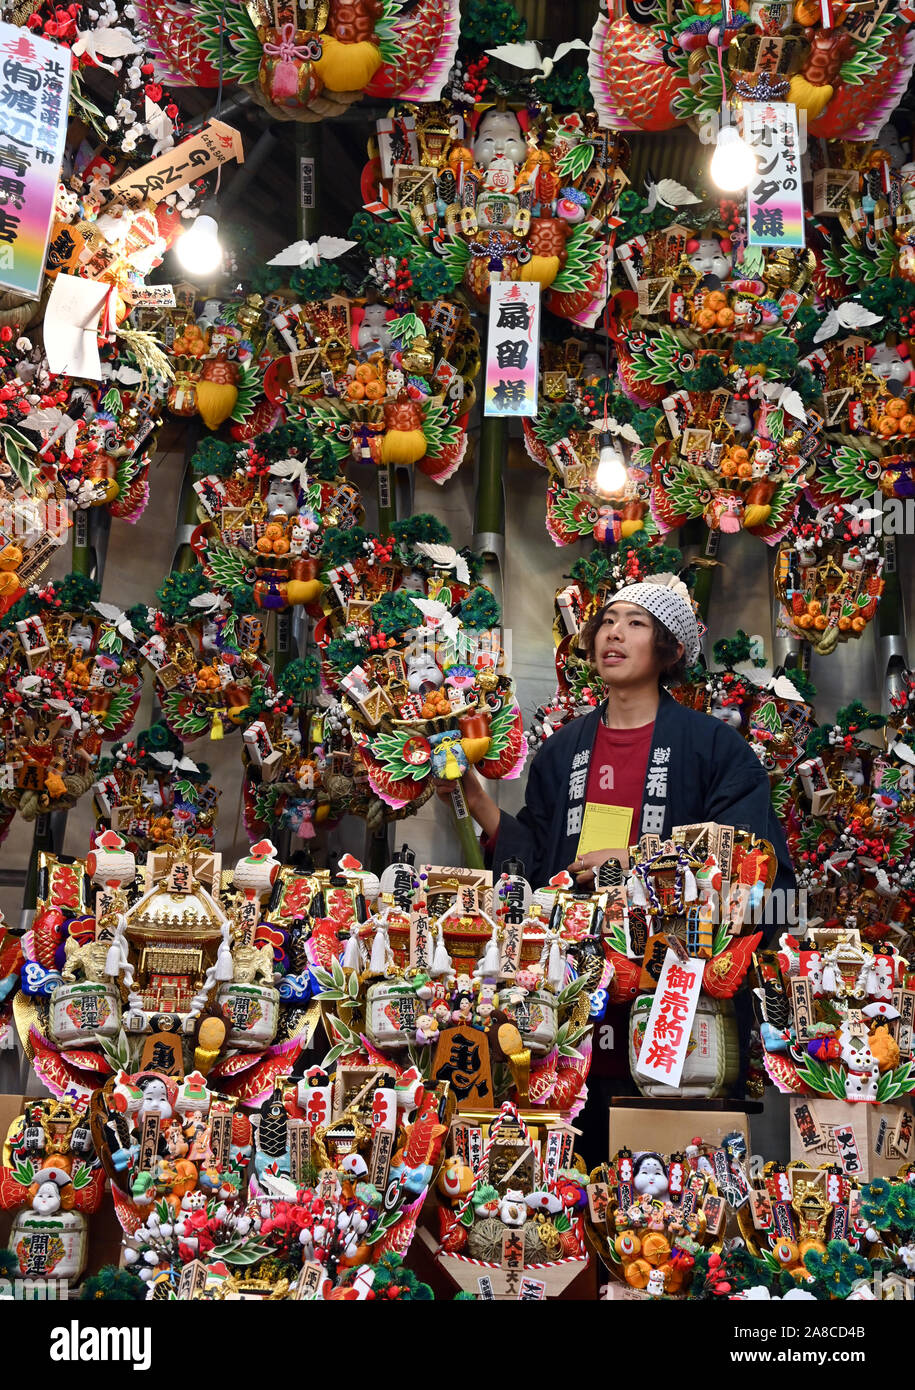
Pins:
x: 513, y: 348
x: 775, y: 201
x: 33, y: 126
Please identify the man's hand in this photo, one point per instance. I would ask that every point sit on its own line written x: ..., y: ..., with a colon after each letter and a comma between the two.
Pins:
x: 479, y: 803
x: 582, y: 868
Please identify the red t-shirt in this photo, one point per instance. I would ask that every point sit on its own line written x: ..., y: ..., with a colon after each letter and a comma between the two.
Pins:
x: 616, y: 772
x: 616, y: 777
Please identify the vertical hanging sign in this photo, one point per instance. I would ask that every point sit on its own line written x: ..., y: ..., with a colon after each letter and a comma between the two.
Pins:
x: 306, y: 182
x: 513, y: 348
x: 775, y: 200
x: 34, y: 97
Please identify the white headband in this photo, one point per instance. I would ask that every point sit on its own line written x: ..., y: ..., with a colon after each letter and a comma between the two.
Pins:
x: 671, y: 606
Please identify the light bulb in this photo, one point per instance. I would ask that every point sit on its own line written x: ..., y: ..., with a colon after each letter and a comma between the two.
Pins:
x: 611, y: 476
x: 733, y: 163
x: 199, y: 250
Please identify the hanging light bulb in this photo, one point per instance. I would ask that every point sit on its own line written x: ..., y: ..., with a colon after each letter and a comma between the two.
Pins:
x: 733, y: 163
x: 198, y: 249
x: 611, y: 476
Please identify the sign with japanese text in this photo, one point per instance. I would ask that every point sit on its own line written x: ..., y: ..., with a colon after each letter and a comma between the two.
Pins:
x: 34, y: 96
x: 670, y: 1022
x: 513, y: 348
x: 188, y: 161
x: 775, y: 201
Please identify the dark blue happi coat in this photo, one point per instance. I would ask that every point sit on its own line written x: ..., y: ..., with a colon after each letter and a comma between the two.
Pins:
x: 699, y: 769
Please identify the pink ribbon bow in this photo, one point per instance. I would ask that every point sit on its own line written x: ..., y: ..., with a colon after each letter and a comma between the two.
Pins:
x: 286, y: 49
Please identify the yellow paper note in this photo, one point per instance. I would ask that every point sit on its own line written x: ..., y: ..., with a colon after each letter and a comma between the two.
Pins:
x: 604, y: 827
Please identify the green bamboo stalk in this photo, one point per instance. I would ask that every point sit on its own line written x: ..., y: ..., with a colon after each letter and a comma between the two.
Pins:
x: 467, y: 835
x: 490, y: 499
x: 42, y: 839
x: 81, y: 556
x: 387, y: 506
x: 704, y: 543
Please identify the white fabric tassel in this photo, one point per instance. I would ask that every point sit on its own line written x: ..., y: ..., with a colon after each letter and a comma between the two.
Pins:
x: 352, y: 956
x: 690, y: 892
x: 441, y: 961
x: 379, y: 959
x: 637, y: 896
x: 492, y: 961
x: 113, y: 960
x: 224, y: 965
x: 556, y: 968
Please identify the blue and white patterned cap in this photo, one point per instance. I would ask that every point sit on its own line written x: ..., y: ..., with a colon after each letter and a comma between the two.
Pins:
x: 667, y: 599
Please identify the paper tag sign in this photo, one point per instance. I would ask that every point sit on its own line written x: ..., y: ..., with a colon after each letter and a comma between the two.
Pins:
x: 513, y: 348
x: 663, y: 1052
x: 71, y: 326
x: 36, y: 76
x: 849, y: 1157
x: 902, y: 1134
x: 808, y: 1128
x: 604, y: 827
x: 775, y: 202
x: 531, y: 1290
x: 188, y: 161
x: 309, y: 1281
x: 193, y: 1279
x: 484, y: 1284
x: 598, y: 1202
x: 152, y: 296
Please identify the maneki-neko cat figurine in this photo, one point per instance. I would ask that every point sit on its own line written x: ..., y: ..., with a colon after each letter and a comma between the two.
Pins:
x: 51, y: 1178
x: 828, y: 1004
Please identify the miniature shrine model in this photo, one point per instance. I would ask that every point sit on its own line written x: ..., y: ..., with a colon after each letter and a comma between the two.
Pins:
x: 633, y: 311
